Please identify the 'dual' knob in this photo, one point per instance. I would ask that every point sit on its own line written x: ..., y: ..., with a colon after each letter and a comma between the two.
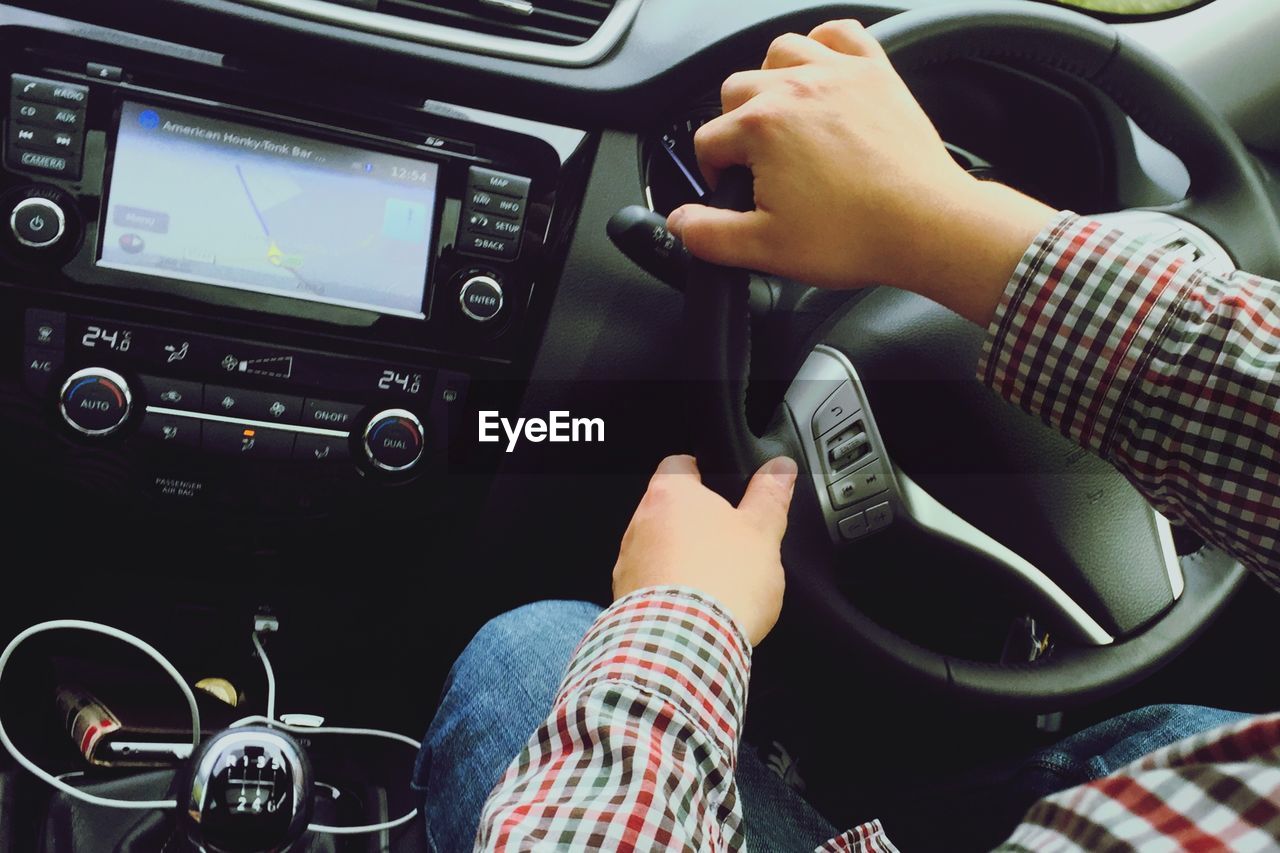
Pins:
x: 95, y: 401
x: 393, y: 440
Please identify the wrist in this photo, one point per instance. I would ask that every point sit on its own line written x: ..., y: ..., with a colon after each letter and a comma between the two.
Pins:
x: 977, y: 235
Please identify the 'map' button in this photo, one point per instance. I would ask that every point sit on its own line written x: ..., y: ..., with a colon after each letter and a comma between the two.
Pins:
x: 502, y: 183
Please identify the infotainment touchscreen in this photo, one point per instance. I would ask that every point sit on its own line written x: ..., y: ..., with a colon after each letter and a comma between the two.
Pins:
x: 209, y: 201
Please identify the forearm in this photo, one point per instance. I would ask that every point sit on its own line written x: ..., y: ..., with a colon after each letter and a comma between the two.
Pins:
x: 641, y: 743
x: 1166, y: 370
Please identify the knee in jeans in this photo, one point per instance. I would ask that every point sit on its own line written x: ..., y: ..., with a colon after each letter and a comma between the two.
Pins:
x: 535, y: 638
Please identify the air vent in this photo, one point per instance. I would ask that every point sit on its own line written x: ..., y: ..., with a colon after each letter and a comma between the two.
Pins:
x: 554, y: 32
x: 558, y: 22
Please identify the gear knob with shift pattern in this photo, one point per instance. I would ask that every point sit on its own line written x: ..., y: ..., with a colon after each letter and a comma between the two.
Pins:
x: 246, y: 790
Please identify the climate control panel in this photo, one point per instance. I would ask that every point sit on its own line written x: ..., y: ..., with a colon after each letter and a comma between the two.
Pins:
x: 195, y: 394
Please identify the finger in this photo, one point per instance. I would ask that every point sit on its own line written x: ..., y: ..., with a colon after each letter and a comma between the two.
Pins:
x: 741, y: 87
x: 719, y: 144
x: 681, y: 464
x: 848, y: 37
x: 724, y: 237
x: 768, y: 496
x: 792, y: 49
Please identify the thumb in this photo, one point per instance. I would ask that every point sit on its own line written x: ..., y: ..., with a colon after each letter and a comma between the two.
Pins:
x: 768, y: 496
x: 724, y: 237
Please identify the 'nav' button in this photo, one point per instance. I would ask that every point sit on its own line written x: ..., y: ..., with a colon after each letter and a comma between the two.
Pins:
x: 326, y: 414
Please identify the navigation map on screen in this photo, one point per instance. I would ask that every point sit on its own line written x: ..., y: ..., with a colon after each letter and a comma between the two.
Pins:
x: 209, y: 201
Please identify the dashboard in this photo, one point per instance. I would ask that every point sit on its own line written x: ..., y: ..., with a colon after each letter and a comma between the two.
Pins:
x: 264, y: 264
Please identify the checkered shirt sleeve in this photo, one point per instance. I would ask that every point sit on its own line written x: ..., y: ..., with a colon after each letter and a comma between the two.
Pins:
x: 641, y: 745
x: 1168, y: 371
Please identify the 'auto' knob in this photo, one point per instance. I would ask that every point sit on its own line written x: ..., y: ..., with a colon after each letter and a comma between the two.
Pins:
x: 95, y: 401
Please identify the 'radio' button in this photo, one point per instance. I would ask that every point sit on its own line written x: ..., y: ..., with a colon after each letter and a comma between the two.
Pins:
x: 26, y: 88
x: 326, y: 414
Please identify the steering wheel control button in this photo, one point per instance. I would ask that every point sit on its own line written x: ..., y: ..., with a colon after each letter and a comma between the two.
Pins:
x: 325, y: 414
x: 481, y: 298
x: 867, y: 482
x: 171, y: 431
x: 37, y: 223
x: 879, y: 517
x: 321, y: 449
x: 244, y: 441
x: 839, y: 407
x: 855, y: 526
x: 95, y: 401
x: 393, y: 440
x: 172, y: 393
x: 847, y: 447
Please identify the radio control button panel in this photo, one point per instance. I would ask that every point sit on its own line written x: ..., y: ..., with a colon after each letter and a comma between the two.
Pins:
x: 46, y: 126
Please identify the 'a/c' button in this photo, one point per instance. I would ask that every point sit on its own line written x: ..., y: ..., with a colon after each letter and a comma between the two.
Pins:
x: 327, y: 414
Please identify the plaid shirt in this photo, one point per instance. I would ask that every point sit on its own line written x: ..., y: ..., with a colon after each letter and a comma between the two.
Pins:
x: 1169, y: 372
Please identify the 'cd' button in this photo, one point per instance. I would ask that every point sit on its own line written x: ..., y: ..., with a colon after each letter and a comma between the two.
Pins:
x: 247, y: 442
x: 47, y: 115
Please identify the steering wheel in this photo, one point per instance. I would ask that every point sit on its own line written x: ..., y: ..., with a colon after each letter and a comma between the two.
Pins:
x: 889, y: 394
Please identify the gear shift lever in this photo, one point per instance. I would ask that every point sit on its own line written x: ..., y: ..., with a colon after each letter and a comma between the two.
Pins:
x: 246, y: 790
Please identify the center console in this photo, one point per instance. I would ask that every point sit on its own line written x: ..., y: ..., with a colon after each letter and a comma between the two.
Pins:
x: 235, y: 289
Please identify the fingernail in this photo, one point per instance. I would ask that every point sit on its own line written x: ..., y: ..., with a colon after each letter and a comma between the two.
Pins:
x: 784, y: 470
x: 675, y: 221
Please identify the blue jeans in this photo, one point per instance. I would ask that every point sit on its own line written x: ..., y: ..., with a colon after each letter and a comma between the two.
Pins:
x: 503, y: 685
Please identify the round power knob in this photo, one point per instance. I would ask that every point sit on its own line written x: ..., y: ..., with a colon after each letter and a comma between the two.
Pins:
x: 37, y: 223
x: 95, y: 401
x: 481, y: 298
x: 393, y: 440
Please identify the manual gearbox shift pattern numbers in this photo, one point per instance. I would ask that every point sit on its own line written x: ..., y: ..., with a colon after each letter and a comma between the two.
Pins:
x: 209, y: 201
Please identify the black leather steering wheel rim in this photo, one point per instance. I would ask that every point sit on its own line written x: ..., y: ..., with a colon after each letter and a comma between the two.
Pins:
x: 1228, y: 199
